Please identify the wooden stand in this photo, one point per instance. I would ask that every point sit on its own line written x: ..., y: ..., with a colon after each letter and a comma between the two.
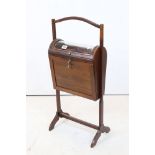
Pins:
x: 100, y: 128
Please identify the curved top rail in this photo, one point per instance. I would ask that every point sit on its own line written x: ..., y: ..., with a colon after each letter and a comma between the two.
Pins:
x: 77, y: 18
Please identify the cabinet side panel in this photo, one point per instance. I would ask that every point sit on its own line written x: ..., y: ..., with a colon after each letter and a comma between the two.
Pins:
x: 97, y: 70
x: 104, y: 66
x: 52, y: 71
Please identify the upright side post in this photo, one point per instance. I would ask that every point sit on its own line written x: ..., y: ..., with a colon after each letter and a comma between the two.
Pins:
x: 53, y: 29
x: 102, y: 128
x: 56, y: 118
x: 57, y: 91
x: 101, y: 79
x: 58, y: 101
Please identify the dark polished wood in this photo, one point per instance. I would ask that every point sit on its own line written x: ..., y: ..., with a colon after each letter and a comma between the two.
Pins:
x: 84, y: 75
x: 79, y: 71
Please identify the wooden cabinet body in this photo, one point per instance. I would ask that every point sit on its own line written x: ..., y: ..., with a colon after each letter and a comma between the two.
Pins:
x: 80, y: 71
x: 76, y: 69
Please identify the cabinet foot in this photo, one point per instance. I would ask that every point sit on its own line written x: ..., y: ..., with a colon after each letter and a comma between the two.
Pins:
x: 95, y: 139
x: 54, y: 121
x: 103, y: 129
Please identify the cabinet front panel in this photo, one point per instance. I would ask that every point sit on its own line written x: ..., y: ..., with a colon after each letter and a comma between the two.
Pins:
x: 73, y: 75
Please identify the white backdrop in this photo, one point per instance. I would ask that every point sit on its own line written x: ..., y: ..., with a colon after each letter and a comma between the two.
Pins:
x: 113, y: 14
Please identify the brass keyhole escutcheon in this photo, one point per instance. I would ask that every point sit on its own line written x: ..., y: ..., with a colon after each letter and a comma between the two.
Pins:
x: 69, y: 63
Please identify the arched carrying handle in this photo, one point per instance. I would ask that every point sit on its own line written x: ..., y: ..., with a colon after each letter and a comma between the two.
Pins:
x: 78, y: 18
x: 101, y: 26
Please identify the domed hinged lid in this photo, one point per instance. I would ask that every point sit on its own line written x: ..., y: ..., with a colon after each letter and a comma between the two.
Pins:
x: 60, y: 47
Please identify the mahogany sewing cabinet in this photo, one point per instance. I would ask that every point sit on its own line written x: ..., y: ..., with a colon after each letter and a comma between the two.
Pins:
x: 80, y: 71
